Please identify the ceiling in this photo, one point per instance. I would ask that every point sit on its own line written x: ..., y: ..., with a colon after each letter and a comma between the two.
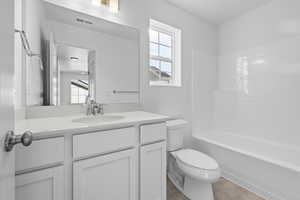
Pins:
x: 218, y: 11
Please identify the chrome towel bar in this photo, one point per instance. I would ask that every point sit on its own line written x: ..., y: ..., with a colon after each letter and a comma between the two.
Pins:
x: 125, y: 92
x: 27, y: 48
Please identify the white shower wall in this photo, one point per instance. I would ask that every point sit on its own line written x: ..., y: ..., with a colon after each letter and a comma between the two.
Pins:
x: 258, y: 90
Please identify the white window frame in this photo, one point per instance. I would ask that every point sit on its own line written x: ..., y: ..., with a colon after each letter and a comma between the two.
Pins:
x: 176, y: 53
x: 71, y: 96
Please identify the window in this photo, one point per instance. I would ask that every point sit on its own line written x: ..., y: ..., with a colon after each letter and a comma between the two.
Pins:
x: 165, y: 55
x: 79, y: 91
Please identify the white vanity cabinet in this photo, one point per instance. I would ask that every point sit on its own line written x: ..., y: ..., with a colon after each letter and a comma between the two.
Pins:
x: 47, y: 184
x: 114, y: 175
x: 127, y: 163
x: 153, y: 163
x: 108, y: 177
x: 105, y: 165
x: 40, y: 170
x: 153, y: 172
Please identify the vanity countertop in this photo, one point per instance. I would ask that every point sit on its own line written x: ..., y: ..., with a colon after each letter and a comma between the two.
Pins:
x: 60, y: 126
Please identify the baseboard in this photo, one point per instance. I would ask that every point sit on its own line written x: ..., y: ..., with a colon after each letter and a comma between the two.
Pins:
x: 254, y: 188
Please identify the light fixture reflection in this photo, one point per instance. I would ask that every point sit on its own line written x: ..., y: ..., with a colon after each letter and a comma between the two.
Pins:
x: 259, y: 62
x: 242, y: 73
x: 113, y: 5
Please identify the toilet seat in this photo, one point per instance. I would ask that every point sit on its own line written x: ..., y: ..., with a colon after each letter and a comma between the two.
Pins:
x: 196, y: 159
x: 197, y: 165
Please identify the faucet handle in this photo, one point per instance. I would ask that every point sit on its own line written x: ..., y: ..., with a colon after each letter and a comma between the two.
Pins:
x: 101, y: 108
x: 89, y: 105
x: 87, y: 99
x: 95, y: 109
x: 93, y: 102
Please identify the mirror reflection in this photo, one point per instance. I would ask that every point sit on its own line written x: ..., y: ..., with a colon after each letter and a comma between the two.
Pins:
x: 70, y: 55
x: 71, y: 81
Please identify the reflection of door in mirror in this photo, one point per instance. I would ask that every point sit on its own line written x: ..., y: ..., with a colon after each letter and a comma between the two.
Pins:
x: 69, y: 74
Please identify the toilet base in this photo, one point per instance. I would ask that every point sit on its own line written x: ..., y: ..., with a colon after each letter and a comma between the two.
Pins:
x: 198, y: 190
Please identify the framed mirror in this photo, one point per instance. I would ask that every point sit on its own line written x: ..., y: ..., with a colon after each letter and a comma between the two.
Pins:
x: 68, y: 56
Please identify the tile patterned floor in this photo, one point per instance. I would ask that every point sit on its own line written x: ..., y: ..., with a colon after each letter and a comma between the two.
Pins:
x: 173, y: 193
x: 223, y: 190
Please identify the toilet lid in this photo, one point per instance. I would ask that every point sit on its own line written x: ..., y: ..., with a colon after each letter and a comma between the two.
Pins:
x: 197, y: 159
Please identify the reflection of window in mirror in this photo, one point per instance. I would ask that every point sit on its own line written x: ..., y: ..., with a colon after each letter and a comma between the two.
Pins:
x: 79, y: 91
x: 165, y: 55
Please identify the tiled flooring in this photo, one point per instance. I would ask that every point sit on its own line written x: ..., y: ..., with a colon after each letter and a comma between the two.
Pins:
x: 173, y: 193
x: 223, y: 190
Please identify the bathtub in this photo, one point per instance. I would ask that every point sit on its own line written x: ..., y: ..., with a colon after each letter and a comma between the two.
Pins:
x: 268, y: 169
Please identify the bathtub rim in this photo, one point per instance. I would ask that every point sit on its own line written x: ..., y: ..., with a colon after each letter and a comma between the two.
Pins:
x: 203, y: 137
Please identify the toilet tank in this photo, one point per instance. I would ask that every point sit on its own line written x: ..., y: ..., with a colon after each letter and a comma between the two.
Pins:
x: 176, y: 130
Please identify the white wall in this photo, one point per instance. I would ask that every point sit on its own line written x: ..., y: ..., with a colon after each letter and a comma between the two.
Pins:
x: 199, y: 50
x: 33, y: 19
x: 259, y: 74
x: 28, y: 74
x: 199, y: 38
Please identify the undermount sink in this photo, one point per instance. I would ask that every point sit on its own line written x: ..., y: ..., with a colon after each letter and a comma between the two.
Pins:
x: 98, y: 119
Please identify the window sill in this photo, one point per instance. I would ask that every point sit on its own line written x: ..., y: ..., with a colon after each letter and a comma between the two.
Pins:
x: 154, y: 84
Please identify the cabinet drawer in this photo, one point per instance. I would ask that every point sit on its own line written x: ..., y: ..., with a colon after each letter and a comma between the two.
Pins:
x: 41, y: 153
x: 101, y: 142
x: 153, y: 133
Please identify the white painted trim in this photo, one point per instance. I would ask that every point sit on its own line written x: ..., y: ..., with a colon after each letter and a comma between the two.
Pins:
x: 161, y: 84
x: 176, y: 53
x: 254, y: 188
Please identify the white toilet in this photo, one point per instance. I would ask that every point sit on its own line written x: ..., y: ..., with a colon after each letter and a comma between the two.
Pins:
x: 191, y: 171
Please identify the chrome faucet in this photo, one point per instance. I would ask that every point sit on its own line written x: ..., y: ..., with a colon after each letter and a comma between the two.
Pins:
x: 93, y: 108
x: 100, y: 109
x: 97, y: 108
x: 88, y: 102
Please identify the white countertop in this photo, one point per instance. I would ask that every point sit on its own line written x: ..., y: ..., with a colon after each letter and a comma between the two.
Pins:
x: 59, y: 126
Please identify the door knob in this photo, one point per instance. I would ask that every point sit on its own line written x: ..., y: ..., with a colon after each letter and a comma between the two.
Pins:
x: 11, y: 140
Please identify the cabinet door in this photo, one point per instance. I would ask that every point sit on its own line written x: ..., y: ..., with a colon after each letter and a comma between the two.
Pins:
x: 109, y: 177
x: 153, y: 172
x: 45, y: 184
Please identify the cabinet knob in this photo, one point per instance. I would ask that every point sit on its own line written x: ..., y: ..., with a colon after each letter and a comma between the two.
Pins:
x: 11, y: 140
